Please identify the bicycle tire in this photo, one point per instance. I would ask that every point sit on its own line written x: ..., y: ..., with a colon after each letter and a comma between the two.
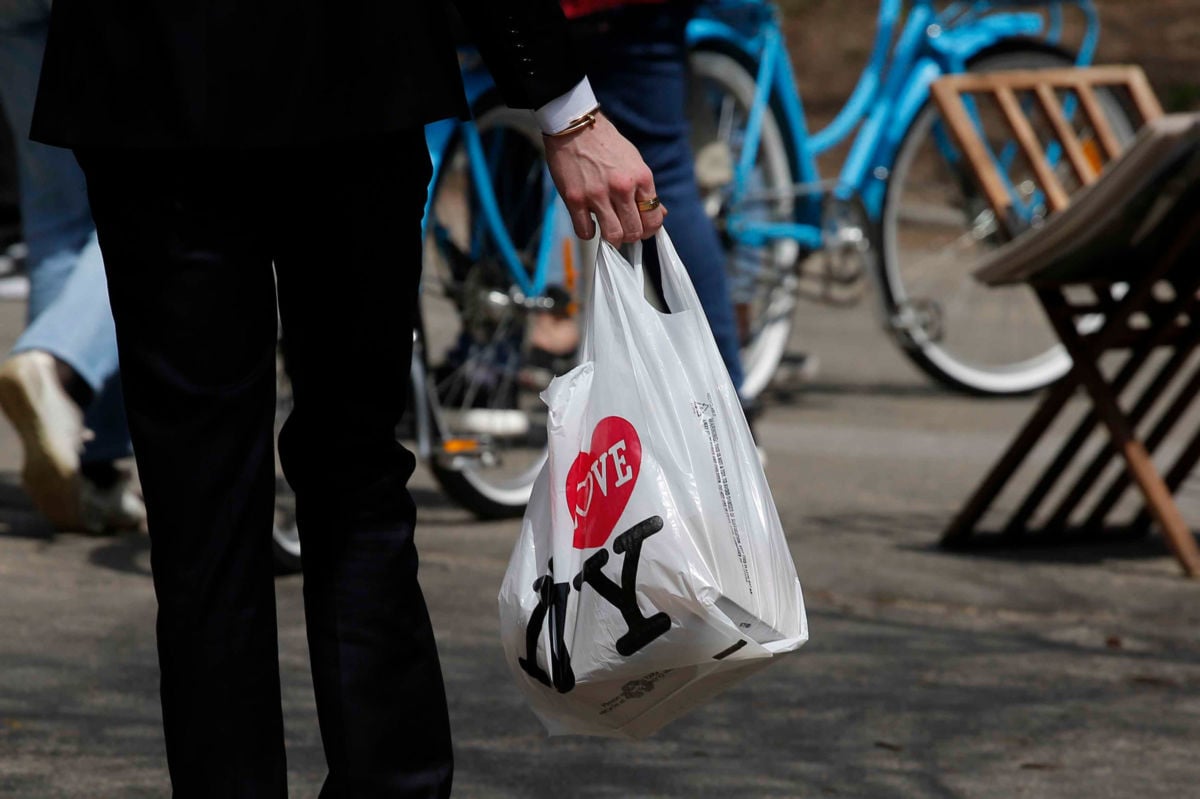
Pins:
x: 478, y: 349
x: 763, y: 283
x: 972, y: 338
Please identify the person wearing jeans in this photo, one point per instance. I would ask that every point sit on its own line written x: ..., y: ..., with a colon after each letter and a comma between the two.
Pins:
x: 60, y: 385
x: 636, y: 56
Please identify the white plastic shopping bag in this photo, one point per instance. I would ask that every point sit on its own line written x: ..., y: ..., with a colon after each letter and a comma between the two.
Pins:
x: 651, y: 571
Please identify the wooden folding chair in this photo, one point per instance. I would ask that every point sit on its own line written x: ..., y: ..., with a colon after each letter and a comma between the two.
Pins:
x: 1115, y: 268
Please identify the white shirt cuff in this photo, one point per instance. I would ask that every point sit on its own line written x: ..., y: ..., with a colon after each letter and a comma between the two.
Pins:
x: 565, y: 109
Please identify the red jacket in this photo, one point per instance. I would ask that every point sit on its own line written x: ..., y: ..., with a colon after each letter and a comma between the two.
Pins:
x: 580, y: 8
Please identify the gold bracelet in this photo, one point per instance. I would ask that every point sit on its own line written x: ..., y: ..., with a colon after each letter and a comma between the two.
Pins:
x: 585, y: 121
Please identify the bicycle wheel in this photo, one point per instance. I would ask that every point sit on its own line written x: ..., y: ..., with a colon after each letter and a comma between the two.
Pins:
x: 763, y: 283
x: 484, y: 371
x: 936, y: 226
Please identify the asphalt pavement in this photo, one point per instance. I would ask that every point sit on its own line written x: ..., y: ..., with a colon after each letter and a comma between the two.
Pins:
x: 1041, y: 671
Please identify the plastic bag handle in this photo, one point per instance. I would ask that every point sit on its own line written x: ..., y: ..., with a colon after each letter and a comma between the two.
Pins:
x: 636, y: 259
x: 678, y: 291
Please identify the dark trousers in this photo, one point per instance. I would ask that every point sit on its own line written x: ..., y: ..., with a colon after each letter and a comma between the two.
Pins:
x: 189, y: 239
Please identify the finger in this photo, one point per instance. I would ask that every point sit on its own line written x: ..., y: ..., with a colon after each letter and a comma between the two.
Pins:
x: 652, y: 221
x: 610, y: 224
x: 631, y: 218
x: 581, y: 220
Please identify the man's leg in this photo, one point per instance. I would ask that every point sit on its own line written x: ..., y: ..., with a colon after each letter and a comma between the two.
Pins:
x: 193, y: 298
x: 348, y: 256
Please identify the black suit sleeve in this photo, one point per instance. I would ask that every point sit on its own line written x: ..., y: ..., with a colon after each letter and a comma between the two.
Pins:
x: 526, y: 46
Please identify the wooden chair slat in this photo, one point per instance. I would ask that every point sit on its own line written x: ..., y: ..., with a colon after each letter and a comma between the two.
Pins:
x: 1066, y: 134
x: 1027, y: 138
x: 1143, y: 96
x: 1099, y: 120
x: 958, y: 120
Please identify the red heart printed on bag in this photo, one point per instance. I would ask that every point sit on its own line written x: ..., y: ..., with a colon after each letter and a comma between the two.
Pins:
x: 601, y: 480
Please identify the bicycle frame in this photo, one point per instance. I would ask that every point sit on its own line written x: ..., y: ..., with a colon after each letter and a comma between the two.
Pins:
x: 912, y: 49
x: 441, y: 136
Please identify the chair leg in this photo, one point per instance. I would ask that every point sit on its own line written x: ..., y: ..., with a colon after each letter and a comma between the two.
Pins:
x: 1158, y: 497
x: 1156, y: 437
x: 1175, y: 476
x: 964, y: 523
x: 1162, y: 506
x: 1104, y: 400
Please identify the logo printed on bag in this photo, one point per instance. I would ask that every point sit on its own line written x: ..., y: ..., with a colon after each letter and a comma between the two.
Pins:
x: 632, y: 691
x: 601, y: 480
x: 636, y: 689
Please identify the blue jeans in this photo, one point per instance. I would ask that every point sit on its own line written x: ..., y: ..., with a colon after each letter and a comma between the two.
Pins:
x: 69, y: 314
x: 636, y: 60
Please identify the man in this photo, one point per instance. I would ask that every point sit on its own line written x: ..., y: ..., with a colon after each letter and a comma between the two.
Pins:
x: 219, y: 138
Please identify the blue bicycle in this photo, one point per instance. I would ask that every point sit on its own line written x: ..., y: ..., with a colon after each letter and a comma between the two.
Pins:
x: 902, y: 207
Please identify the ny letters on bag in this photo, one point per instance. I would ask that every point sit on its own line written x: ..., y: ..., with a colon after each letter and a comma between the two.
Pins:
x: 552, y: 603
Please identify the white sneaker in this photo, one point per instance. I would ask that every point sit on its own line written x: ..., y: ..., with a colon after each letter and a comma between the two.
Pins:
x: 117, y: 508
x: 50, y: 425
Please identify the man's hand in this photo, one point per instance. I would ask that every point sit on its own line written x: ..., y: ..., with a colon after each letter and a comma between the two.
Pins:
x: 597, y: 171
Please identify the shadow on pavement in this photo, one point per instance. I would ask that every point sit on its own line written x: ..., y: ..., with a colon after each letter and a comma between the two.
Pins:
x: 921, y: 532
x: 18, y: 517
x: 127, y: 553
x: 1070, y: 546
